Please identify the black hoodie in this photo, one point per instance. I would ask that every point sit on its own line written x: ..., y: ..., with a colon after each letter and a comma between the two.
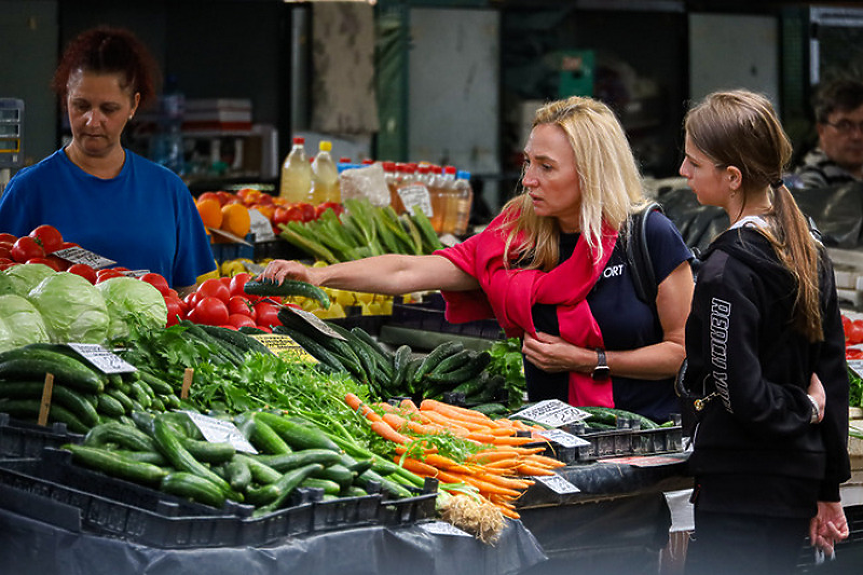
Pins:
x: 754, y: 449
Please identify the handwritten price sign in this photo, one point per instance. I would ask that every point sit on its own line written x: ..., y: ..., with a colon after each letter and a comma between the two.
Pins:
x: 78, y: 255
x: 104, y: 360
x: 553, y: 413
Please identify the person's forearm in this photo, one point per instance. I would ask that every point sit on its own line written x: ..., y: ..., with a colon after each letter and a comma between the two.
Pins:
x: 393, y: 274
x: 652, y: 362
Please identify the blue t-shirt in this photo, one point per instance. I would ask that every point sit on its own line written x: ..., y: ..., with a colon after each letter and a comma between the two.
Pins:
x: 145, y: 218
x: 625, y: 321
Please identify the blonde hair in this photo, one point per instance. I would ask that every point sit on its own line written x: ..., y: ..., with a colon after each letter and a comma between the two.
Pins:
x: 740, y: 128
x: 611, y: 185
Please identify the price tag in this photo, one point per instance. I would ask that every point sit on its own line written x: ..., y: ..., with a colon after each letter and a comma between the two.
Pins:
x: 280, y: 344
x: 552, y: 412
x: 261, y: 227
x: 416, y: 195
x: 557, y: 484
x: 315, y: 322
x: 443, y: 528
x: 563, y: 438
x: 78, y: 255
x: 856, y: 366
x: 220, y: 431
x: 106, y: 361
x: 135, y: 273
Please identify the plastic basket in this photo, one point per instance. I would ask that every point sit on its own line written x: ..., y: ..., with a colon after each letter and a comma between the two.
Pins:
x: 27, y: 440
x: 117, y: 508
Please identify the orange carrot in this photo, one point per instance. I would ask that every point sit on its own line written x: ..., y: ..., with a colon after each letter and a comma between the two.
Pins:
x: 460, y: 414
x: 442, y: 462
x: 519, y: 484
x: 510, y: 462
x: 353, y: 401
x: 487, y: 487
x: 456, y: 429
x: 357, y: 405
x: 490, y: 456
x: 486, y: 438
x: 513, y: 440
x: 388, y: 433
x: 416, y: 466
x: 545, y: 461
x: 527, y: 469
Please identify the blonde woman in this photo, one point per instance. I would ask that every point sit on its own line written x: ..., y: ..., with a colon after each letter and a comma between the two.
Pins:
x: 765, y: 354
x: 552, y: 268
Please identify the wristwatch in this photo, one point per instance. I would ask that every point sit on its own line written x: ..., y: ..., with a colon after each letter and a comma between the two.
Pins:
x: 816, y: 411
x: 601, y: 371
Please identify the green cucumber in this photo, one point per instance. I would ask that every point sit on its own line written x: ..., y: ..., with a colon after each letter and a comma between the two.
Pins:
x: 327, y: 486
x: 214, y: 452
x: 157, y: 384
x: 437, y: 355
x: 288, y: 461
x: 239, y: 474
x: 112, y: 432
x: 192, y: 486
x: 29, y: 409
x: 287, y: 288
x: 245, y: 343
x: 474, y: 365
x: 315, y: 349
x: 296, y: 435
x: 265, y: 439
x: 170, y: 446
x: 290, y: 481
x: 261, y: 472
x: 338, y: 473
x: 109, y: 406
x: 82, y: 407
x: 116, y: 465
x: 153, y: 457
x: 28, y: 364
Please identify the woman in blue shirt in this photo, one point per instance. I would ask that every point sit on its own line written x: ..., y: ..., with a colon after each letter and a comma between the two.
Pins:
x: 97, y: 193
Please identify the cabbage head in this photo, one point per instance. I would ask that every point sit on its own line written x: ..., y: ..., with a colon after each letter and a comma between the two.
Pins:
x: 22, y: 278
x: 22, y: 321
x: 132, y: 301
x: 73, y: 309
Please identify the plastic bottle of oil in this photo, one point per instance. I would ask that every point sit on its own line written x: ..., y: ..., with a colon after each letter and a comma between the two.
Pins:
x: 325, y: 176
x: 462, y: 203
x: 296, y: 181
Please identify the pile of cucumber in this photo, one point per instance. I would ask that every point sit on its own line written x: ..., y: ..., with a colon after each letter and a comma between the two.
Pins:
x: 167, y: 451
x: 82, y: 396
x: 449, y: 367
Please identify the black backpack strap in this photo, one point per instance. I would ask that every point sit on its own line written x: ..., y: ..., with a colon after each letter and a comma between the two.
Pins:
x: 638, y: 255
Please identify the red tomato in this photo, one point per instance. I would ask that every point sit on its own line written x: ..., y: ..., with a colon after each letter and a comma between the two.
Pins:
x: 238, y: 283
x: 190, y: 300
x: 6, y: 250
x: 7, y: 265
x: 240, y: 305
x: 83, y: 270
x: 172, y: 293
x: 66, y: 245
x: 855, y: 332
x: 48, y: 236
x: 7, y: 237
x: 853, y: 353
x: 108, y: 274
x: 62, y: 264
x: 44, y: 261
x: 239, y: 320
x: 26, y: 248
x: 229, y: 326
x: 308, y: 211
x: 264, y: 328
x: 158, y: 281
x: 211, y: 311
x: 214, y: 287
x: 175, y: 311
x: 267, y: 314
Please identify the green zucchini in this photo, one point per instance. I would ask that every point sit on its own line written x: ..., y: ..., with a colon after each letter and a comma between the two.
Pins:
x: 239, y: 474
x: 290, y: 481
x: 338, y: 473
x: 474, y: 365
x: 108, y: 405
x: 214, y: 452
x: 157, y: 384
x: 261, y: 472
x: 192, y: 486
x: 153, y: 457
x: 72, y: 400
x: 116, y: 465
x: 288, y: 287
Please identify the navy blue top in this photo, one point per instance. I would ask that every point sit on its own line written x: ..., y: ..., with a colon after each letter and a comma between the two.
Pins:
x: 626, y: 322
x: 145, y: 218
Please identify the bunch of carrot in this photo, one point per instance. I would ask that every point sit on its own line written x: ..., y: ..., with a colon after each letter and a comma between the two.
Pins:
x: 497, y: 468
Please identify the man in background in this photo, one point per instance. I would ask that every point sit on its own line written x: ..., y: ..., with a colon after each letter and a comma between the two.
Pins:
x: 838, y: 159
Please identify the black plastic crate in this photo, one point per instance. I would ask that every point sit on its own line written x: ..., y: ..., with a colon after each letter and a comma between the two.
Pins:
x: 291, y: 521
x: 408, y: 509
x: 346, y: 512
x: 27, y: 440
x: 422, y: 317
x: 116, y: 508
x: 629, y: 441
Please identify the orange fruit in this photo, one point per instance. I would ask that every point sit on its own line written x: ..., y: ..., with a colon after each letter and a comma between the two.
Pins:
x: 211, y: 212
x: 236, y: 220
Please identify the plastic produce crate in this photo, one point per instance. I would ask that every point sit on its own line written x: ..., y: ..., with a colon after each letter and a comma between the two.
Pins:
x: 429, y: 316
x: 26, y: 440
x: 629, y: 441
x: 51, y: 487
x: 408, y: 509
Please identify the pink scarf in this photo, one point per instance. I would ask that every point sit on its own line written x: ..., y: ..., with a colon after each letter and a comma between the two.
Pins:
x: 509, y: 294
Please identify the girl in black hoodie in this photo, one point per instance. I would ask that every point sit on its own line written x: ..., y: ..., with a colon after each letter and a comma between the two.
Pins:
x: 765, y: 354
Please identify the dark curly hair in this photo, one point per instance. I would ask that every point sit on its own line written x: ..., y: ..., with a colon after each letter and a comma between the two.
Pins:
x: 107, y: 50
x: 842, y: 94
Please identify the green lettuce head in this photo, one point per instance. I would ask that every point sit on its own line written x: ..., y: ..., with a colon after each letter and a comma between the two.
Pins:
x: 73, y: 309
x: 132, y: 301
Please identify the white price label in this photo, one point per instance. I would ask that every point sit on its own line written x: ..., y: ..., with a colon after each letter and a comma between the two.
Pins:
x: 552, y: 412
x: 261, y: 227
x: 78, y: 255
x: 443, y: 528
x: 220, y: 431
x: 280, y: 344
x: 557, y: 484
x: 856, y: 366
x: 315, y: 321
x: 563, y: 438
x: 416, y: 195
x: 104, y: 360
x: 137, y: 274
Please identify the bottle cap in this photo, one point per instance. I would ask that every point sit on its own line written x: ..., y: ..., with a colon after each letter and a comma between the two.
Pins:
x: 325, y: 146
x: 299, y: 140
